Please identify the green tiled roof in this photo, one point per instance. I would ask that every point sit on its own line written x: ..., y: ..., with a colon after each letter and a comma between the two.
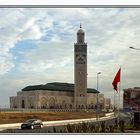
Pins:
x: 56, y: 86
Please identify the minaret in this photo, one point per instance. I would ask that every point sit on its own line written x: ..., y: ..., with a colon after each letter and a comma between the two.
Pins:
x: 80, y: 70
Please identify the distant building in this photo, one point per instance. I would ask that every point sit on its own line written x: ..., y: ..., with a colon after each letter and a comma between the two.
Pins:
x: 107, y: 103
x: 63, y: 95
x: 131, y: 99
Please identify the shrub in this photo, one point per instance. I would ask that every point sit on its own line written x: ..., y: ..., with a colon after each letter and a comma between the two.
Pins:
x: 121, y: 124
x: 103, y: 125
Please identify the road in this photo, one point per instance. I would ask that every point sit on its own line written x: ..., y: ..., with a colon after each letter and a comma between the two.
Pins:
x: 60, y: 125
x: 50, y: 129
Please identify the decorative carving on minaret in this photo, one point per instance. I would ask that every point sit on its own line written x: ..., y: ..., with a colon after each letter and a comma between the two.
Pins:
x: 80, y: 60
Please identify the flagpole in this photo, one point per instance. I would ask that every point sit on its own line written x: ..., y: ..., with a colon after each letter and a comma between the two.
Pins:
x: 119, y: 104
x: 114, y: 105
x: 119, y: 97
x: 115, y: 83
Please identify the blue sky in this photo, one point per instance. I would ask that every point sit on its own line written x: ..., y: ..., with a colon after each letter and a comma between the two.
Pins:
x: 36, y: 46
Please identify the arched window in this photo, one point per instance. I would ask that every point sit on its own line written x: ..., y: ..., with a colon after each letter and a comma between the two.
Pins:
x: 70, y: 106
x: 43, y: 102
x: 79, y: 106
x: 52, y: 102
x: 23, y: 104
x: 31, y: 102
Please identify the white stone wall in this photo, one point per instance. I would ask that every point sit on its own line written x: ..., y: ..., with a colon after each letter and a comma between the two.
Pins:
x: 13, y: 102
x: 42, y: 99
x: 55, y: 99
x: 51, y: 99
x: 27, y: 99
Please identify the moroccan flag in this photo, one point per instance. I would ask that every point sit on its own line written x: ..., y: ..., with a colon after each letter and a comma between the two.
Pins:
x: 116, y: 80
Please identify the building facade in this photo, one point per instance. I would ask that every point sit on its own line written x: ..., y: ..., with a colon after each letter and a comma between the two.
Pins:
x: 131, y: 99
x: 54, y: 96
x: 107, y: 103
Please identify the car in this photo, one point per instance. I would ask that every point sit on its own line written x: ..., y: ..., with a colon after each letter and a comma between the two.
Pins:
x: 31, y: 124
x: 110, y: 110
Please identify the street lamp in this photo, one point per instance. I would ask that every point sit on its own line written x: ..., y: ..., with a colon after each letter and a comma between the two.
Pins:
x: 97, y: 105
x: 134, y: 48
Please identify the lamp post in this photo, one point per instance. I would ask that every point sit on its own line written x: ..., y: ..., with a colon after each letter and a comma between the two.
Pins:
x: 97, y: 105
x: 134, y: 48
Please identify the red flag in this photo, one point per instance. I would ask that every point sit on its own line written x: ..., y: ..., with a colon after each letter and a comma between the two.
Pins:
x: 116, y: 80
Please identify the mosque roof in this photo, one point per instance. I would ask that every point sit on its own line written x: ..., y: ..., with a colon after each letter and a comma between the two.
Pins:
x: 56, y: 86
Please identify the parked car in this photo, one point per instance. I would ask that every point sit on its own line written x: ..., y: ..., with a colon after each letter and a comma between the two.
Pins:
x: 31, y: 124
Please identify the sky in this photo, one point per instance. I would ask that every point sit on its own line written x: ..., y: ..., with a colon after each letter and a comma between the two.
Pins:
x: 37, y: 47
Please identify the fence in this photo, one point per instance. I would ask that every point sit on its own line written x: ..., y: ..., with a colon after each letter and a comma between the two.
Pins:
x: 44, y: 110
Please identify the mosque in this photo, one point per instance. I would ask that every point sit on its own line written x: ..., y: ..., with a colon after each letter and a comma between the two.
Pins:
x: 58, y: 95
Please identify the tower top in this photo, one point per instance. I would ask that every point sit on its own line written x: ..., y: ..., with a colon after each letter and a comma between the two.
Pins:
x: 80, y: 25
x: 80, y: 30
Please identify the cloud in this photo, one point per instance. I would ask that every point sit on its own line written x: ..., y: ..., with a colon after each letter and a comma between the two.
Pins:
x: 108, y: 31
x: 15, y: 26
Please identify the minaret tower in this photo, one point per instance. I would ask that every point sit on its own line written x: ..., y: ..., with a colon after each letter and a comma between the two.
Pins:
x: 80, y: 70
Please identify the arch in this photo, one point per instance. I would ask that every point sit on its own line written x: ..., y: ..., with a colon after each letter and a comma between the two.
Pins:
x: 22, y: 104
x: 82, y: 106
x: 31, y: 102
x: 43, y: 102
x: 96, y: 106
x: 70, y: 106
x: 63, y: 104
x: 92, y: 105
x: 51, y: 102
x: 79, y: 107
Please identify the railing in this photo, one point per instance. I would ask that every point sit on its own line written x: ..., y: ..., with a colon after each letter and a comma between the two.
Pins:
x: 44, y: 110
